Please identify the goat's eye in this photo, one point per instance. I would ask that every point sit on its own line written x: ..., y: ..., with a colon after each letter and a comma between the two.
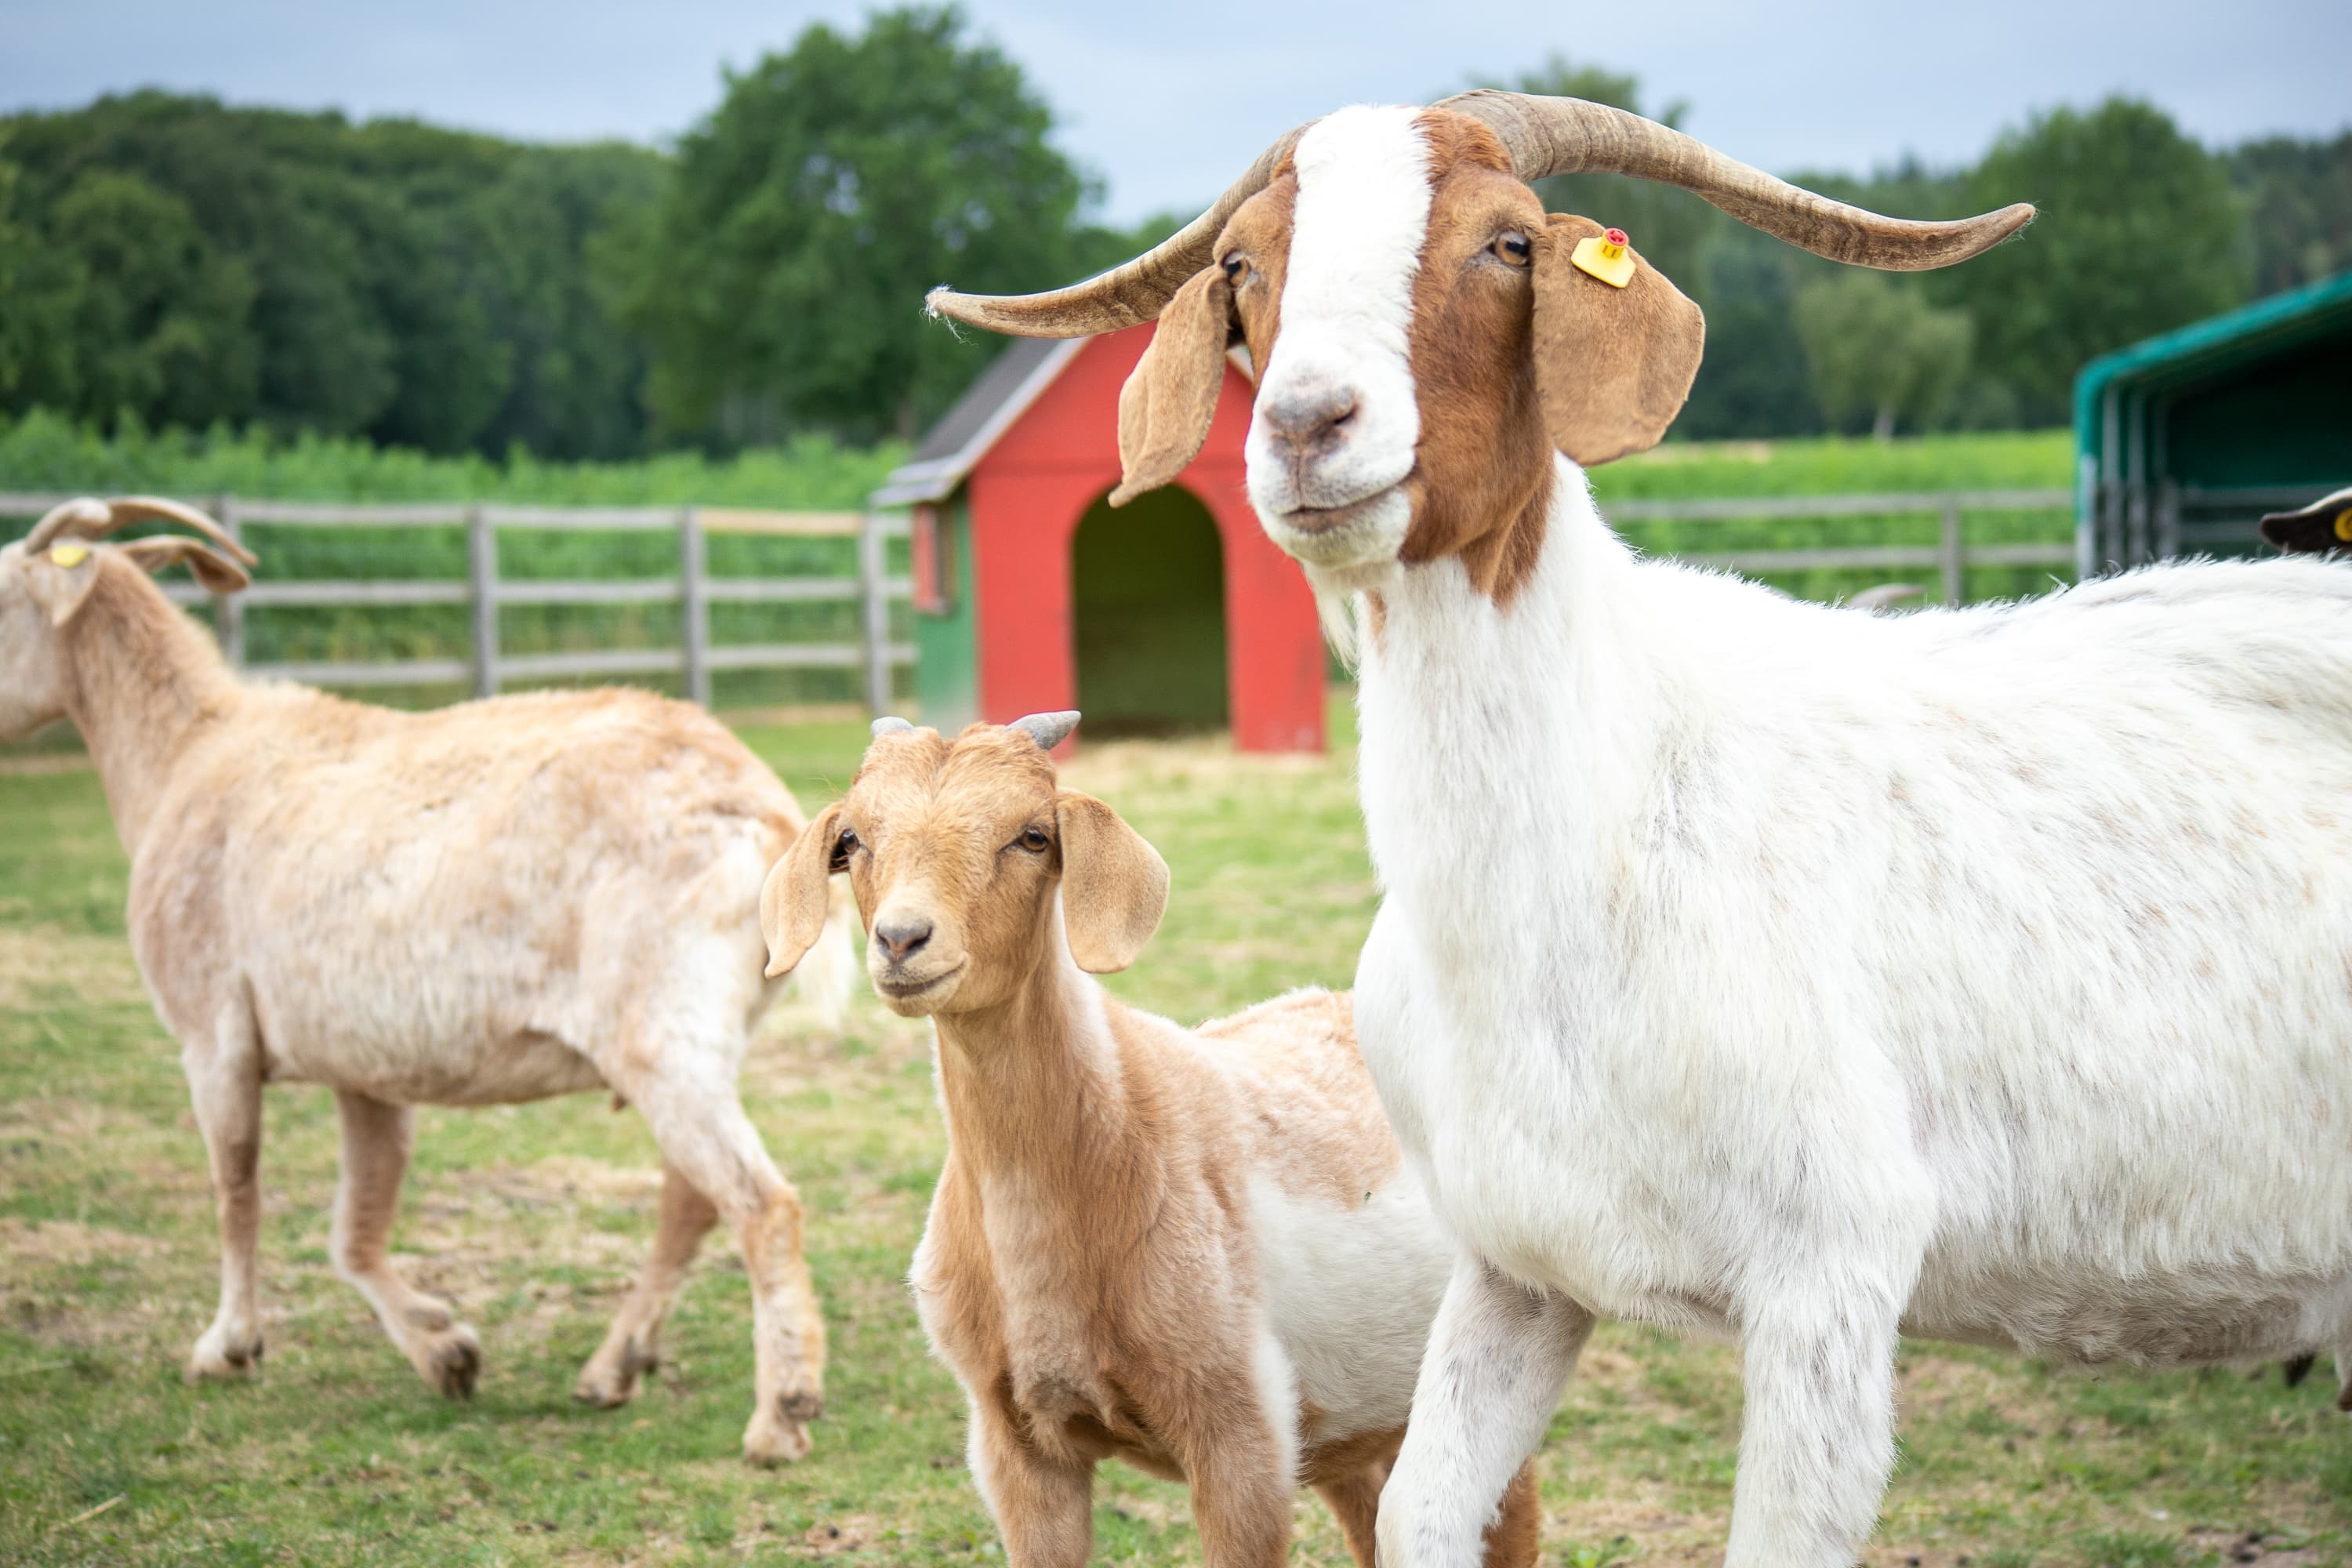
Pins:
x: 846, y: 843
x: 1512, y: 246
x: 1236, y: 267
x: 1033, y: 839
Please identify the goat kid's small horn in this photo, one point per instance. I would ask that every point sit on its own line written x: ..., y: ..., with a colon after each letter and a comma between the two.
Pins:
x: 88, y: 518
x: 1048, y: 730
x: 889, y: 725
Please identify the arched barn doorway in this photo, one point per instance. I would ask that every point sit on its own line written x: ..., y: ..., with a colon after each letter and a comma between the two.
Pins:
x: 1148, y: 603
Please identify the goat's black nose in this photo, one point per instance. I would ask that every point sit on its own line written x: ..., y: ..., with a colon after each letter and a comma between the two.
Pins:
x: 1309, y: 420
x: 904, y: 937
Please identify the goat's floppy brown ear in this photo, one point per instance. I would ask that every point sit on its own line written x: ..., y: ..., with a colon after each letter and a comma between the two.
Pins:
x: 1169, y: 399
x: 61, y: 578
x: 1113, y: 885
x: 793, y: 899
x: 1613, y: 365
x: 215, y: 572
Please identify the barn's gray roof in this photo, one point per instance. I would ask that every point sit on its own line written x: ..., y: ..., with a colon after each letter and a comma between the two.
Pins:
x: 986, y: 410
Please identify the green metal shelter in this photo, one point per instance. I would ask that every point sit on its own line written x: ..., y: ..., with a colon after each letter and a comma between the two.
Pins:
x: 2184, y: 441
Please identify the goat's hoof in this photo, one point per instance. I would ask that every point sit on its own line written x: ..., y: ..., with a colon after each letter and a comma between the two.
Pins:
x: 451, y: 1360
x: 225, y: 1356
x: 609, y: 1378
x: 773, y: 1439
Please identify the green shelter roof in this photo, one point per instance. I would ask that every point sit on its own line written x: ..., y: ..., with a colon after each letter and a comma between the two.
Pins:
x: 2209, y: 348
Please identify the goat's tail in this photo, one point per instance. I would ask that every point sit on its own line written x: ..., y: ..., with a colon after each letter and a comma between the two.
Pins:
x: 827, y: 972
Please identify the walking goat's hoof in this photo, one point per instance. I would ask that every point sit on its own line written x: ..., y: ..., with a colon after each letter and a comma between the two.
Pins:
x: 224, y: 1355
x: 451, y: 1360
x: 774, y: 1440
x: 609, y: 1378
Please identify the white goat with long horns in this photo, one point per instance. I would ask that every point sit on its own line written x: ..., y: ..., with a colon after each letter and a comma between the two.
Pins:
x: 501, y: 901
x: 1746, y: 965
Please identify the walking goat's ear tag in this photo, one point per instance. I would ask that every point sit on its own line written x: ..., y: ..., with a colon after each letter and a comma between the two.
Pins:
x: 1604, y: 256
x: 69, y: 555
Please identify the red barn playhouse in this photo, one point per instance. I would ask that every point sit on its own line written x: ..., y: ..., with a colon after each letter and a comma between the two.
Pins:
x: 1031, y: 595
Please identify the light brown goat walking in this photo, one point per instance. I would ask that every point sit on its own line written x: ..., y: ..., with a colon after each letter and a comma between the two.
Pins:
x: 497, y: 902
x: 1194, y: 1250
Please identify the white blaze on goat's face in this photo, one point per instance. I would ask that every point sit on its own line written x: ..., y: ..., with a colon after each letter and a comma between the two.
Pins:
x: 1337, y: 419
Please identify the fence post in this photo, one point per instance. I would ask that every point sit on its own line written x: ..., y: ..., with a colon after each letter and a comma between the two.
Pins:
x: 482, y: 562
x: 693, y: 606
x: 231, y: 608
x: 1955, y: 561
x: 872, y: 562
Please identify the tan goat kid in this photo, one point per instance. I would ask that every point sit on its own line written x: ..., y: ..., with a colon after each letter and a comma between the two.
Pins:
x: 1194, y: 1250
x: 497, y: 903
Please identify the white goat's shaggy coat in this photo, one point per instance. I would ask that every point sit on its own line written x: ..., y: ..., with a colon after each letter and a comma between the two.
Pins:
x: 1809, y: 974
x: 1757, y: 967
x: 495, y: 902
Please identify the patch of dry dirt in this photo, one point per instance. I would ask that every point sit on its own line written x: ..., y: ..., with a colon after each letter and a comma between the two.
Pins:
x: 840, y: 1536
x: 55, y: 1242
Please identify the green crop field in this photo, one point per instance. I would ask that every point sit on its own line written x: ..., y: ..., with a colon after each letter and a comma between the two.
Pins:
x: 532, y: 1218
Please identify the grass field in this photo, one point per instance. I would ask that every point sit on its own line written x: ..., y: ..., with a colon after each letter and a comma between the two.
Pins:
x: 532, y: 1218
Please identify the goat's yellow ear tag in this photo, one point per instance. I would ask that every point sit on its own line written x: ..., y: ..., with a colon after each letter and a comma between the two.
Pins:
x: 2344, y: 525
x: 1604, y: 256
x: 69, y: 555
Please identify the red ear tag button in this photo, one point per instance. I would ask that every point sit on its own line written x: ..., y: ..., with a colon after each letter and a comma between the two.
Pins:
x: 1604, y: 256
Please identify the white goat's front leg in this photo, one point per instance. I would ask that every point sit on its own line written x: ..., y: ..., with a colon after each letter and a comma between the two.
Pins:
x: 689, y: 1099
x: 1497, y: 1357
x: 632, y: 1347
x: 1817, y: 1442
x: 224, y: 1071
x: 376, y: 1140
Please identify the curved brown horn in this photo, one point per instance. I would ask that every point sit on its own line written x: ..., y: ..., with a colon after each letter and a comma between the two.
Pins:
x: 78, y: 519
x: 88, y: 518
x: 1547, y: 136
x: 1128, y: 294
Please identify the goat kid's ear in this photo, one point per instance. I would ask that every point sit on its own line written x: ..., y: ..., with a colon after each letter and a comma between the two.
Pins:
x: 1165, y: 408
x: 1612, y: 365
x: 215, y: 572
x: 792, y: 901
x: 1114, y: 884
x: 61, y: 578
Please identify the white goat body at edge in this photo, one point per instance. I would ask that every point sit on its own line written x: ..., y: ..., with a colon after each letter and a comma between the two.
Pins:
x: 1746, y: 965
x: 496, y: 902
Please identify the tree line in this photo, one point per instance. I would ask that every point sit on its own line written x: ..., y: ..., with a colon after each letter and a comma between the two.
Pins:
x: 169, y: 260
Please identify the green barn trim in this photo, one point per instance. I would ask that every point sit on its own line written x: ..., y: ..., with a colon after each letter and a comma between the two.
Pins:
x: 2185, y: 439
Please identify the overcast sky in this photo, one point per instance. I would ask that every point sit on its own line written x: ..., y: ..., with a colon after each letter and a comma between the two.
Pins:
x: 1168, y: 103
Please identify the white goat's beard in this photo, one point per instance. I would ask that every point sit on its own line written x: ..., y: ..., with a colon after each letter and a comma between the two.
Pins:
x: 1356, y: 553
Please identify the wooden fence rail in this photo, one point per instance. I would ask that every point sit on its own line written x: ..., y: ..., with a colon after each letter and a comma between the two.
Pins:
x: 694, y: 590
x: 873, y: 655
x: 1949, y: 557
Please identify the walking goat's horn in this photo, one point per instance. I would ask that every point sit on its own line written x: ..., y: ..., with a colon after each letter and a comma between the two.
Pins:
x: 1543, y: 136
x: 88, y: 518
